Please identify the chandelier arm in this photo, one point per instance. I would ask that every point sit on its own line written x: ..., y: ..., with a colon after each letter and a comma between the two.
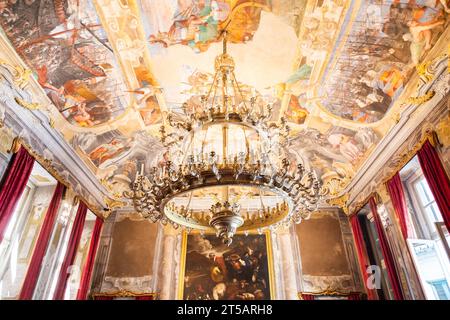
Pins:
x: 211, y: 110
x: 189, y: 202
x: 239, y: 90
x: 191, y: 144
x: 213, y: 85
x: 204, y: 142
x: 261, y: 200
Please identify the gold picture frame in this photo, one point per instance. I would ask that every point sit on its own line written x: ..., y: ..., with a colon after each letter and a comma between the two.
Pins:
x: 123, y: 294
x: 270, y: 262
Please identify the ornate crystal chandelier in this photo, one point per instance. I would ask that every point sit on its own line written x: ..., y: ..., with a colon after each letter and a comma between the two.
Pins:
x: 226, y: 168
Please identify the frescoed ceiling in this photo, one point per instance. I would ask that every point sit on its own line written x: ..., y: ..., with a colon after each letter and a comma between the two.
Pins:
x: 337, y: 70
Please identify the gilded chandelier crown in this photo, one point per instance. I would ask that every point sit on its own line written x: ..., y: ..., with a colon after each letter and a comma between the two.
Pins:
x: 226, y: 170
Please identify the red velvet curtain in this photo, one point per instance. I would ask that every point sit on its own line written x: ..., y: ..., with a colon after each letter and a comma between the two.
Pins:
x: 306, y: 296
x: 103, y: 298
x: 437, y: 179
x: 354, y: 296
x: 149, y: 297
x: 395, y: 188
x: 387, y: 254
x: 89, y: 266
x: 74, y: 240
x: 34, y: 268
x: 12, y: 185
x: 360, y: 248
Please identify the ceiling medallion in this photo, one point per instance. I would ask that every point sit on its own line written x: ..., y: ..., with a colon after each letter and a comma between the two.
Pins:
x: 226, y: 169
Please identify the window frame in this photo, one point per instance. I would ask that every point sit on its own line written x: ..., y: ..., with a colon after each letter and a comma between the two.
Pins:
x: 422, y: 225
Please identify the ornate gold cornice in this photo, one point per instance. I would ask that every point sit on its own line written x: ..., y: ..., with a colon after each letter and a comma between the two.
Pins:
x: 341, y: 202
x: 21, y: 78
x: 358, y: 205
x: 6, y: 139
x: 423, y: 70
x: 114, y: 203
x: 382, y: 191
x: 47, y: 164
x: 21, y: 75
x: 406, y: 155
x: 397, y: 161
x: 421, y: 99
x: 443, y: 131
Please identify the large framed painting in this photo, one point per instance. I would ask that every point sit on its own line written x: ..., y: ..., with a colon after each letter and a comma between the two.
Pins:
x: 212, y: 271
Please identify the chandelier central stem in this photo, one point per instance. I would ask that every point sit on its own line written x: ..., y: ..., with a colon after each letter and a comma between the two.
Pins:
x: 225, y: 143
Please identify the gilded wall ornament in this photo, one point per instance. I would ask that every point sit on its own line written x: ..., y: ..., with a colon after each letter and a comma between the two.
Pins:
x: 421, y: 99
x: 21, y: 75
x: 27, y: 105
x: 113, y: 203
x: 341, y: 202
x: 6, y: 139
x: 443, y: 131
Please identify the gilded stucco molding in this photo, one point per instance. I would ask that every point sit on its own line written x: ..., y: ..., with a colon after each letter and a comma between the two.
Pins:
x: 21, y: 76
x: 443, y: 131
x: 383, y: 193
x: 427, y: 74
x: 16, y: 76
x: 123, y: 293
x: 340, y: 202
x: 114, y: 203
x: 10, y: 143
x: 421, y: 99
x: 396, y: 162
x: 6, y: 139
x: 48, y: 164
x: 27, y: 105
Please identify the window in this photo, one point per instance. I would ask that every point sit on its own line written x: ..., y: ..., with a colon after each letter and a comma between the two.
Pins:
x: 440, y: 288
x: 429, y: 239
x: 22, y: 231
x: 428, y: 206
x: 4, y: 160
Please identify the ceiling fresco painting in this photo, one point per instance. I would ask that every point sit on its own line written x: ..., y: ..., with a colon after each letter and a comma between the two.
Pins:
x: 333, y: 69
x: 192, y: 30
x: 116, y: 158
x: 66, y: 46
x: 387, y: 40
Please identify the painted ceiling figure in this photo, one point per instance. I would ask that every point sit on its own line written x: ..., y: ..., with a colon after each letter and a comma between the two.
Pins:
x: 108, y: 150
x: 195, y: 22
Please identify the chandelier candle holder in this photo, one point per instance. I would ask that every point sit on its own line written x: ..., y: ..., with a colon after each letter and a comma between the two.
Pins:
x: 225, y: 169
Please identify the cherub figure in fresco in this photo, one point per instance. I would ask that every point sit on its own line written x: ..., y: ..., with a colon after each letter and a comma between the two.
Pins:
x: 195, y: 24
x: 420, y: 38
x: 347, y: 146
x: 83, y: 112
x: 81, y: 116
x: 147, y: 103
x: 425, y: 16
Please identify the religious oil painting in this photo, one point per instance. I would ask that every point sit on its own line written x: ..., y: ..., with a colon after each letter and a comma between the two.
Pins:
x: 213, y: 271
